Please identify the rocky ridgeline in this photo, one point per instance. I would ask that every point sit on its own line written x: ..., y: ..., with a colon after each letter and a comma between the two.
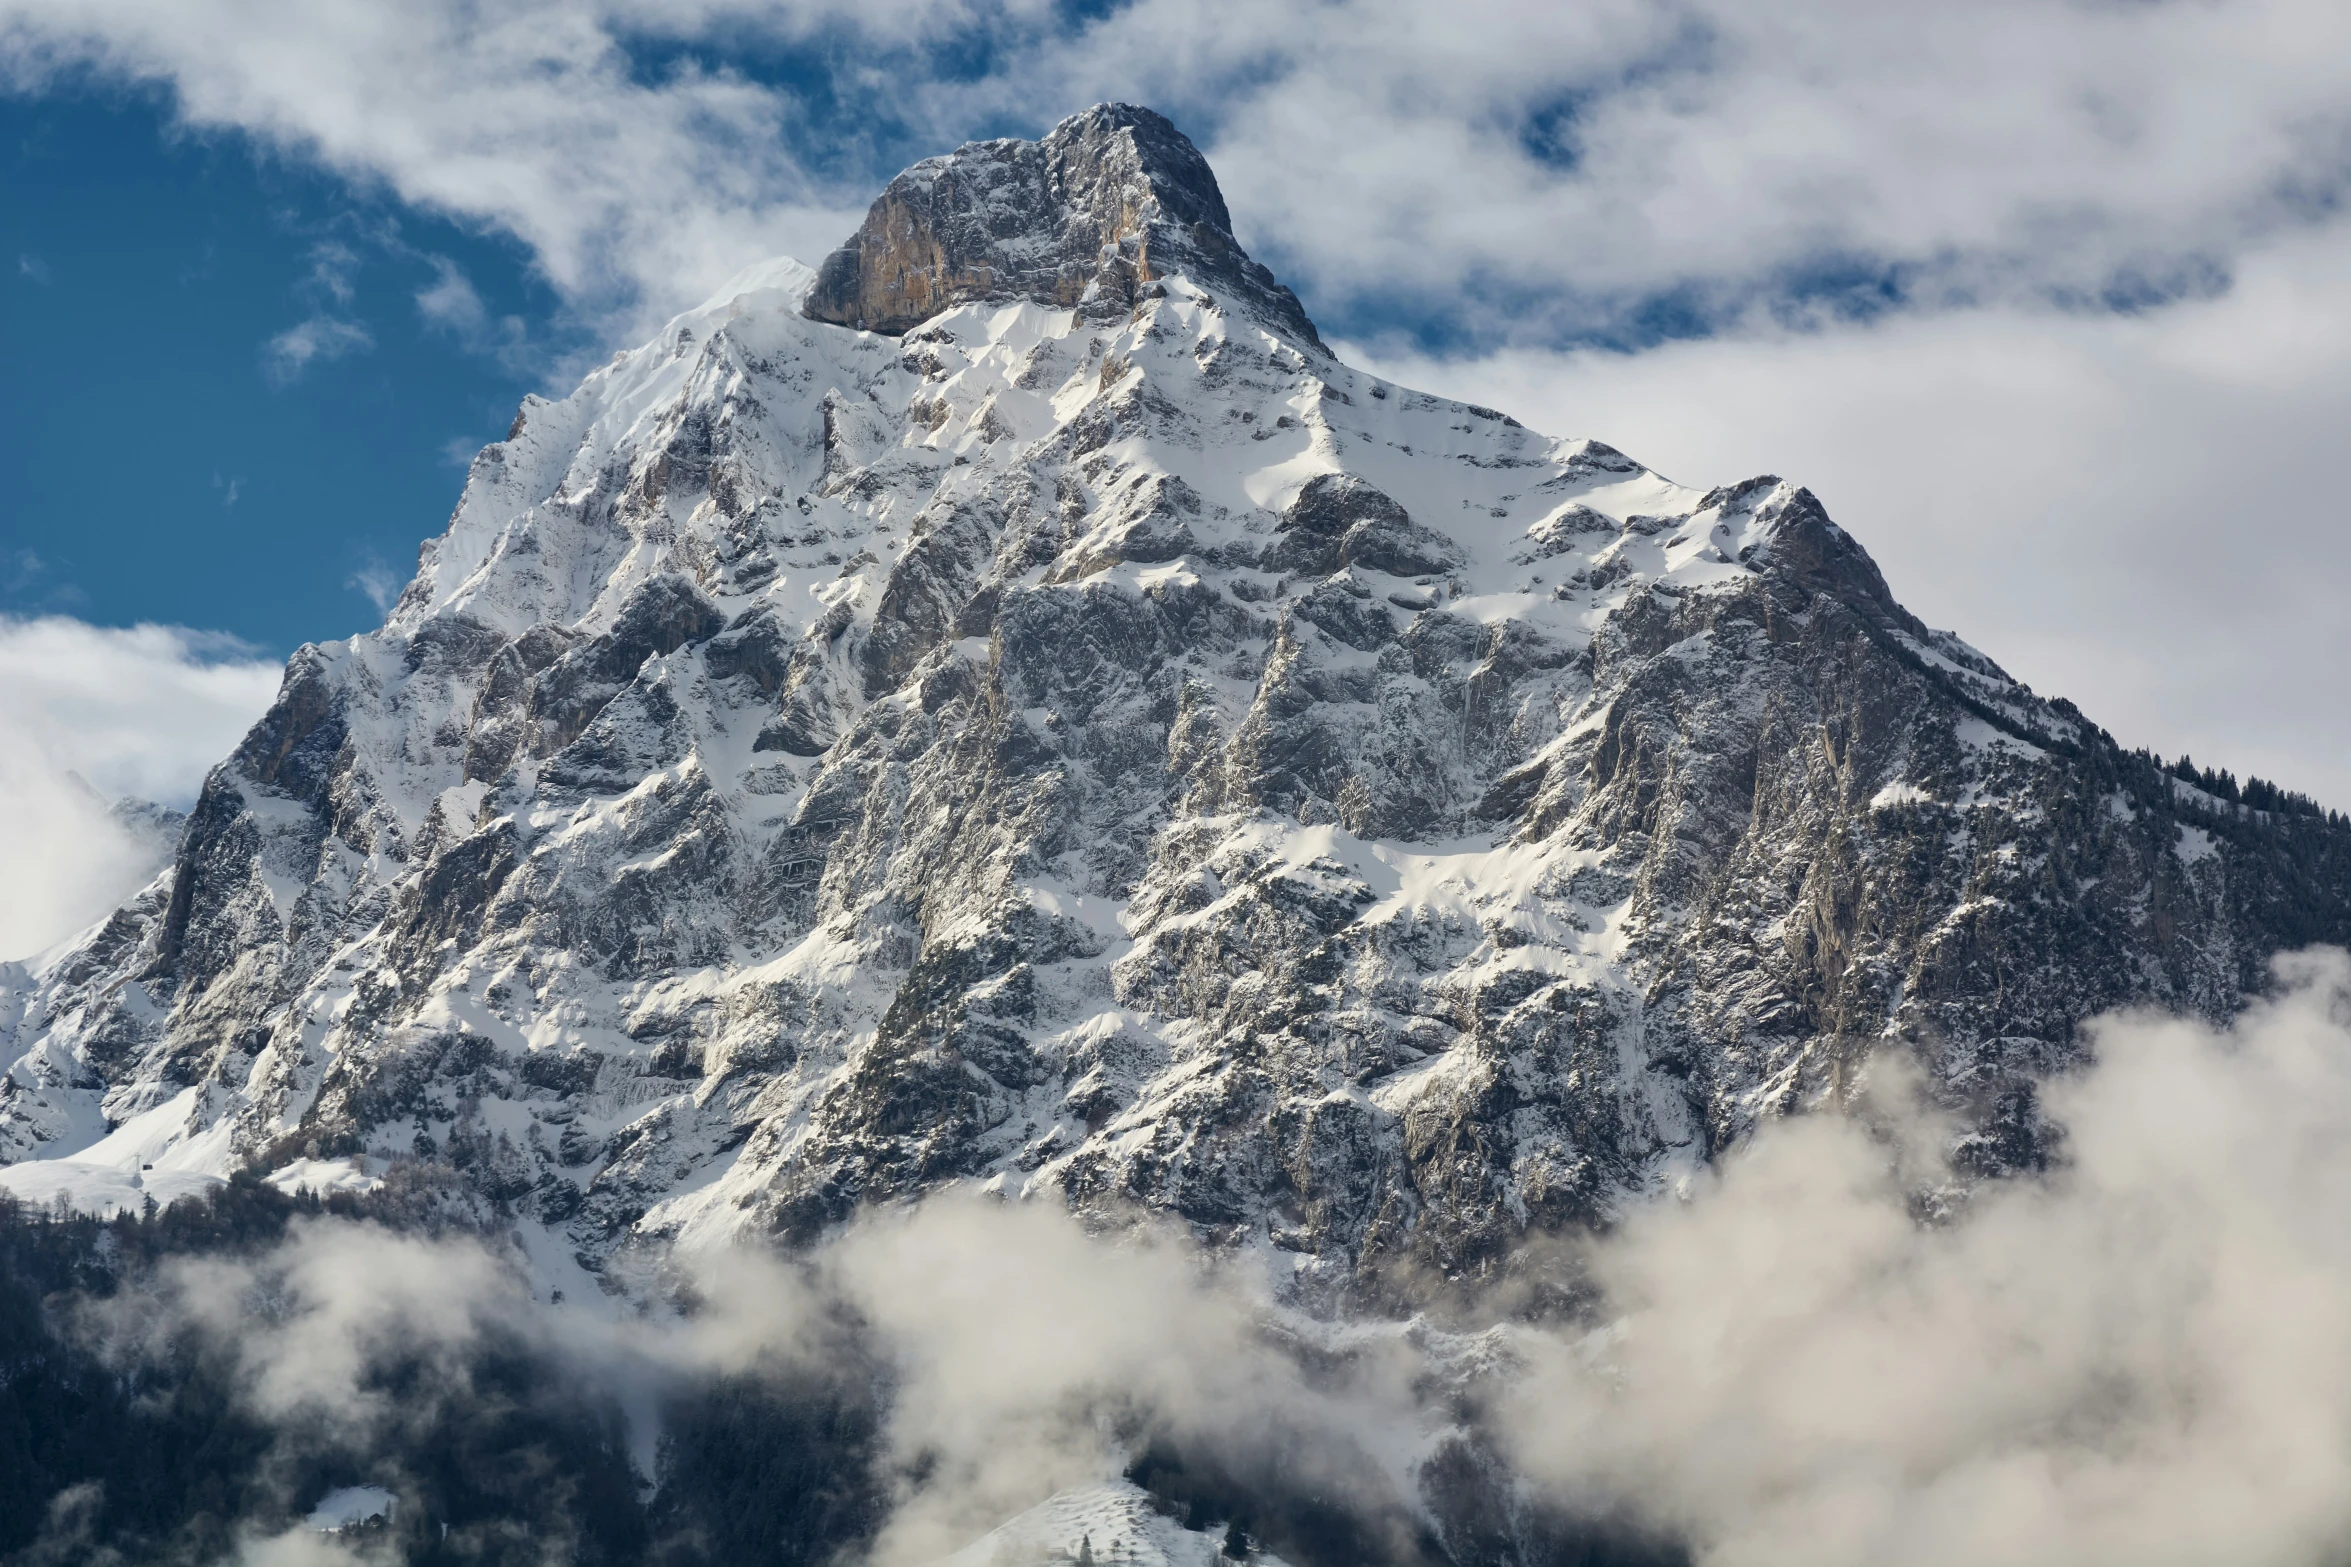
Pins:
x: 1010, y: 705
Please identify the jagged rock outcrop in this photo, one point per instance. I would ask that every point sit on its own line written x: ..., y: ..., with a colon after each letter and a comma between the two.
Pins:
x: 1113, y: 200
x: 1095, y: 742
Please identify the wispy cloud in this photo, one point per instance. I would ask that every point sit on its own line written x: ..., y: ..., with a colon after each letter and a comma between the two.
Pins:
x: 451, y: 303
x: 205, y: 266
x: 30, y: 583
x: 1632, y: 168
x: 631, y: 188
x: 141, y: 712
x: 229, y: 489
x: 315, y: 340
x: 33, y: 268
x: 378, y: 583
x: 2134, y: 1359
x: 332, y: 267
x: 327, y: 333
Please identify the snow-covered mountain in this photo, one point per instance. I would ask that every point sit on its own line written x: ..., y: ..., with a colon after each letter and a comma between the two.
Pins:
x: 1010, y: 705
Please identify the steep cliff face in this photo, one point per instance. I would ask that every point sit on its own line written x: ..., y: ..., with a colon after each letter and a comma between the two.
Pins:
x: 1096, y: 742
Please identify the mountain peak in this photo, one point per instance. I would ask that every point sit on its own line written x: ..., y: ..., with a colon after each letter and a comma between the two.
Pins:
x: 1110, y: 201
x: 1109, y: 748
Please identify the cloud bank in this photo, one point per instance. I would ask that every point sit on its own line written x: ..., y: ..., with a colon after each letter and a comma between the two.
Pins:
x: 91, y: 715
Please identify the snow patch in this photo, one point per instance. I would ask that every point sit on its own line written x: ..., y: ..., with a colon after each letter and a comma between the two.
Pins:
x: 350, y: 1504
x: 1113, y: 1522
x: 98, y: 1190
x: 323, y: 1176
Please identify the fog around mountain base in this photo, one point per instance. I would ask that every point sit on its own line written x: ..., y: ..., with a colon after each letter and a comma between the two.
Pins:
x: 1825, y: 1349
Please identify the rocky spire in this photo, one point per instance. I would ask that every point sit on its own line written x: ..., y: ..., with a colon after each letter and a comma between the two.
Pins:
x: 1111, y: 200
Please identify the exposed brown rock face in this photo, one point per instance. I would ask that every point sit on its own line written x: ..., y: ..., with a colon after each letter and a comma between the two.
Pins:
x: 1110, y: 201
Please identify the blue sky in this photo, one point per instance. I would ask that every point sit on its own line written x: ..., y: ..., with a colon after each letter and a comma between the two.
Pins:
x: 169, y: 464
x: 2048, y: 300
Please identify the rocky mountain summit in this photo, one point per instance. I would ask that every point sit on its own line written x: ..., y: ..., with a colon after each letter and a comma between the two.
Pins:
x: 1010, y: 706
x: 1112, y: 201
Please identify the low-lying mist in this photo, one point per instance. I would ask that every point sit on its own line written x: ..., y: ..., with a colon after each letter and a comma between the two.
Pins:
x: 2143, y: 1357
x: 1827, y: 1349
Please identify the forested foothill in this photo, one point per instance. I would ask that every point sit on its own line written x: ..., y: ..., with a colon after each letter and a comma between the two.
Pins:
x: 144, y: 1447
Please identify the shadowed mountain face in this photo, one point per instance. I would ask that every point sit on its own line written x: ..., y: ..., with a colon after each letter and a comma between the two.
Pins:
x: 1012, y: 706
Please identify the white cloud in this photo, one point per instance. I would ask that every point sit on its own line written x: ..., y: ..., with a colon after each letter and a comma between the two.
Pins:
x: 296, y: 1548
x: 141, y: 713
x: 316, y: 339
x: 2135, y: 1358
x: 451, y: 300
x: 332, y: 265
x: 327, y: 333
x: 355, y: 1295
x: 33, y: 268
x: 450, y: 303
x: 378, y: 583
